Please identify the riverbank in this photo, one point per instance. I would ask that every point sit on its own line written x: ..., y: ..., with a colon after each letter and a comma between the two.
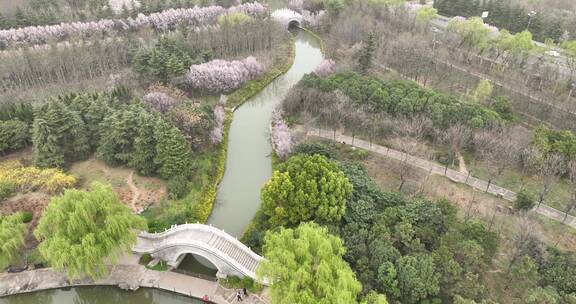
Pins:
x: 127, y: 277
x: 253, y: 87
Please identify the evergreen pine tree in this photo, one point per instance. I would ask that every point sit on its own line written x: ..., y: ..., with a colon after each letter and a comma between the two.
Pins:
x: 59, y: 135
x: 47, y: 151
x: 172, y: 151
x: 117, y: 135
x: 367, y: 53
x: 144, y: 151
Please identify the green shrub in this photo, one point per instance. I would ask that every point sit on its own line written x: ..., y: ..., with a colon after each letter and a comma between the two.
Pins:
x: 233, y: 282
x: 27, y: 216
x: 145, y: 259
x: 524, y: 201
x: 325, y: 149
x: 178, y: 187
x: 14, y: 135
x: 6, y: 189
x: 161, y: 266
x: 35, y: 257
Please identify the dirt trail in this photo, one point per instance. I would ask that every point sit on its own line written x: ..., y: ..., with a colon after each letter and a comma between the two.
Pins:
x: 135, y: 191
x: 462, y: 164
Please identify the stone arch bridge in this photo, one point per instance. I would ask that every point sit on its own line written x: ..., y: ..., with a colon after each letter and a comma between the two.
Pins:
x: 227, y: 253
x: 288, y: 18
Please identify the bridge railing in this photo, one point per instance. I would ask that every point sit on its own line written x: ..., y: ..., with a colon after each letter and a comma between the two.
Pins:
x: 197, y: 226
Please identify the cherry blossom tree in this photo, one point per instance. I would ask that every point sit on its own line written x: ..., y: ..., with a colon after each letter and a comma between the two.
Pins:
x: 280, y: 135
x: 219, y: 117
x: 325, y: 68
x: 223, y: 76
x: 160, y: 101
x: 164, y: 20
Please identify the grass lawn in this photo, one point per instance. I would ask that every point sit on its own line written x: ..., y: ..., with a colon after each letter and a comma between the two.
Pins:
x: 512, y: 180
x: 137, y: 192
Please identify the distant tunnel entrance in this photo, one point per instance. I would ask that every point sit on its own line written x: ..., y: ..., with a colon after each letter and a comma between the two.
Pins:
x: 294, y: 24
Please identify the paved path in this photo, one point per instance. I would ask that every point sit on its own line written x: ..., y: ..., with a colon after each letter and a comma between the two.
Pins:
x: 129, y: 277
x: 435, y: 168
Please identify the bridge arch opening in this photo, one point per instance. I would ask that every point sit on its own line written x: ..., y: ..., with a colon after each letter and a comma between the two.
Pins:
x: 294, y: 24
x: 196, y: 265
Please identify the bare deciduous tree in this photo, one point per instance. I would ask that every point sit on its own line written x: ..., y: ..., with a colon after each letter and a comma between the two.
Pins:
x: 457, y: 137
x: 498, y: 149
x: 551, y: 167
x: 571, y: 168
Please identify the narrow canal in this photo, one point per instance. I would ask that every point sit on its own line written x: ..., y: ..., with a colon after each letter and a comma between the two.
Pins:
x: 248, y: 167
x: 249, y: 162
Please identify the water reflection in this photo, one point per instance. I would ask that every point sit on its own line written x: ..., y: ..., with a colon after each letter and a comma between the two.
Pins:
x: 99, y: 295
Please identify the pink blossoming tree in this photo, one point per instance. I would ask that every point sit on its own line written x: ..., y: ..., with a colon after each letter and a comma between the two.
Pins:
x: 325, y: 68
x: 223, y: 76
x: 280, y: 135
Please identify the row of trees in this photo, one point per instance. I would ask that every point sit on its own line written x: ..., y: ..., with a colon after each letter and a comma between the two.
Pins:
x: 536, y: 86
x: 515, y: 18
x: 169, y: 58
x: 47, y: 12
x: 166, y: 20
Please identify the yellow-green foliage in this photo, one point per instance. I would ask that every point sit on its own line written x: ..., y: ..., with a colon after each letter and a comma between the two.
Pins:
x: 81, y: 232
x: 11, y: 237
x: 202, y: 209
x: 252, y: 87
x: 33, y: 179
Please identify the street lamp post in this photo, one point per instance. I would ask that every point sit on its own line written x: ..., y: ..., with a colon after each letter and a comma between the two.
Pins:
x: 531, y: 14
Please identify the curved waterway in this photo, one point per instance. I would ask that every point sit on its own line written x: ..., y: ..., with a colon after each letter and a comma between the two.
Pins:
x: 249, y: 162
x: 248, y: 167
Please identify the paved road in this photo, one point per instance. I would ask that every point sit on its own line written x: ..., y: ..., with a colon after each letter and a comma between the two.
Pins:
x: 435, y: 168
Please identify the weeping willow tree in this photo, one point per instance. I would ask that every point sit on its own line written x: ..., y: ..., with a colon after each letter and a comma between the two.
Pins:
x: 12, y: 231
x: 304, y: 265
x: 83, y: 231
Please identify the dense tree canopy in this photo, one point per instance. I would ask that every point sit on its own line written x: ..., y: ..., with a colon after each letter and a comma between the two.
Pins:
x: 306, y: 188
x: 81, y: 231
x: 412, y: 251
x: 305, y: 266
x: 395, y: 98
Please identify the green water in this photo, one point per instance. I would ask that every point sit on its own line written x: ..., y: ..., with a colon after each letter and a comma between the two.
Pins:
x: 249, y: 164
x: 99, y: 295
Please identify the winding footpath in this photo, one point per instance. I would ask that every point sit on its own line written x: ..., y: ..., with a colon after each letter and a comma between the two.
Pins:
x: 435, y: 168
